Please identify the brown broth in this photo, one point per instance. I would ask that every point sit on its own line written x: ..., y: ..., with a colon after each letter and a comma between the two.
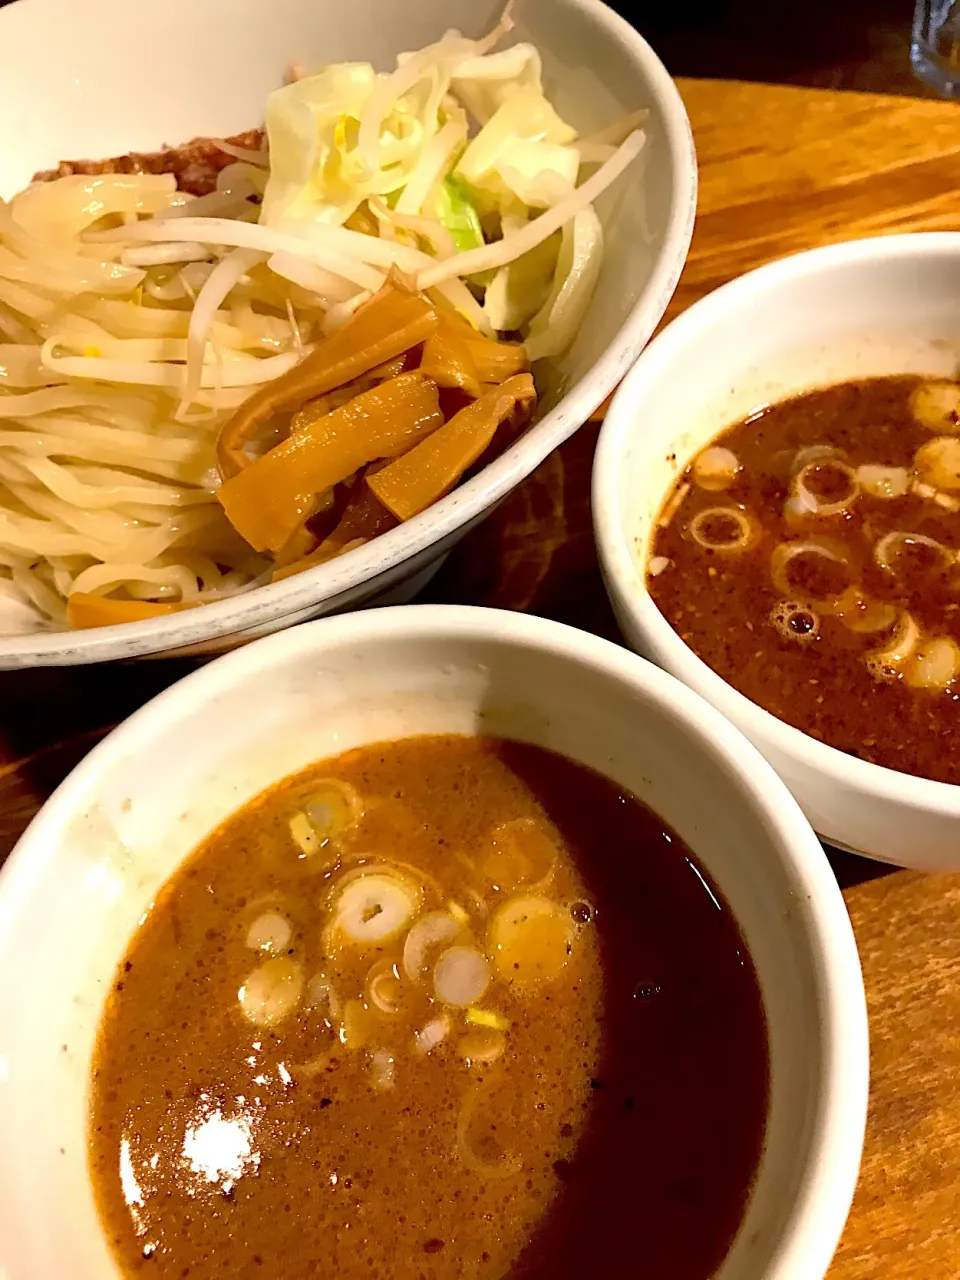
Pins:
x: 721, y: 603
x: 633, y: 1087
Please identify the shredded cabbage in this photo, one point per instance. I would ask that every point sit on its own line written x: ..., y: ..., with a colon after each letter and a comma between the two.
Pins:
x: 347, y: 133
x: 519, y: 290
x: 484, y: 84
x: 457, y: 212
x: 308, y: 124
x: 522, y: 142
x: 356, y: 156
x: 555, y: 325
x: 499, y: 252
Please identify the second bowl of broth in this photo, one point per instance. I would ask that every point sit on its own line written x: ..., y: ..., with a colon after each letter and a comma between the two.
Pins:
x: 481, y: 949
x: 783, y: 531
x: 810, y: 557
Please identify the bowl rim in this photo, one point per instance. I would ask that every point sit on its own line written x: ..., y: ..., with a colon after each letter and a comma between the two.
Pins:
x: 271, y: 602
x: 618, y: 563
x: 813, y: 1226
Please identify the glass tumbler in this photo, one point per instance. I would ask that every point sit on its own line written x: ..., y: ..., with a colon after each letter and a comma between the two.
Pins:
x: 935, y: 45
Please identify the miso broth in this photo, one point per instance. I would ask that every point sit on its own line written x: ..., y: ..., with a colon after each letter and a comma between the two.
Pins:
x: 443, y: 1007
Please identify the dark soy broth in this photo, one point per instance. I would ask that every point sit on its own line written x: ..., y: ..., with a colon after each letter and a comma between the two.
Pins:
x: 810, y: 557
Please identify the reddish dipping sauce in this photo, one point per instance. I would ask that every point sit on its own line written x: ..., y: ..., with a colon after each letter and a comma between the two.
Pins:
x: 817, y: 572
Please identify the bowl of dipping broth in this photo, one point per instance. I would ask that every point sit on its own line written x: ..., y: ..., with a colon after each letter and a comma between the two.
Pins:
x: 274, y: 341
x: 782, y: 531
x: 466, y: 927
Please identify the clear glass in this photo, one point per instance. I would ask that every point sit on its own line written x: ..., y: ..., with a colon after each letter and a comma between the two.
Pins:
x: 935, y: 47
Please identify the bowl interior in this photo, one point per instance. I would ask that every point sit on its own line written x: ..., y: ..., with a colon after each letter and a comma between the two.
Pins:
x: 94, y: 859
x: 78, y: 88
x: 853, y: 310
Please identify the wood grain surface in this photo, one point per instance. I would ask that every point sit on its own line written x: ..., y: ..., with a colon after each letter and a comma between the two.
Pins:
x: 782, y: 169
x: 905, y: 1221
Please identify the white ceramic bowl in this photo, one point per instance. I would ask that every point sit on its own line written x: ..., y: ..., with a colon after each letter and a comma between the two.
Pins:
x: 96, y: 855
x: 887, y: 305
x: 76, y: 83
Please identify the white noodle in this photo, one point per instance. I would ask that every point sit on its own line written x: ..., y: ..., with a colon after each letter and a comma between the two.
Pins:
x: 109, y: 277
x: 39, y: 272
x: 23, y: 367
x: 13, y: 328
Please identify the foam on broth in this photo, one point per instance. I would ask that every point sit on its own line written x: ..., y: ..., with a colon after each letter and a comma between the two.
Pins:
x: 301, y: 1073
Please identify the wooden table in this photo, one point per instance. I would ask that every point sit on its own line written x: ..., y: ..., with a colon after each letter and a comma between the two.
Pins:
x: 781, y: 169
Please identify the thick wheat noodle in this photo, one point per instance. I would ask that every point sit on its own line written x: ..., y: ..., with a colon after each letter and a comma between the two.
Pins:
x: 95, y: 487
x: 72, y: 268
x: 154, y: 526
x: 69, y: 521
x: 39, y: 592
x: 22, y: 366
x: 93, y: 443
x: 46, y: 400
x: 28, y: 302
x: 103, y: 525
x: 40, y: 273
x: 104, y: 576
x: 39, y: 539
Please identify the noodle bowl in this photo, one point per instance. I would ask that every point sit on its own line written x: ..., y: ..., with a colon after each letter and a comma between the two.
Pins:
x: 278, y: 311
x: 121, y: 279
